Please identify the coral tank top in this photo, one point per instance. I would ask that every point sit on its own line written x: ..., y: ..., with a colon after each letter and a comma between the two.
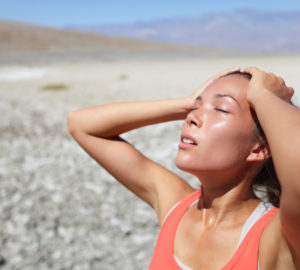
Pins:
x: 245, y: 257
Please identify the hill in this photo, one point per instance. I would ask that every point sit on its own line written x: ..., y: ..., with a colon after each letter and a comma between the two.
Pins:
x: 244, y: 30
x: 24, y: 42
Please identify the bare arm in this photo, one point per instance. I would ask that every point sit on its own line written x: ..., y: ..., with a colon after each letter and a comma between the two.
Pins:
x: 281, y: 123
x: 114, y: 119
x: 97, y: 130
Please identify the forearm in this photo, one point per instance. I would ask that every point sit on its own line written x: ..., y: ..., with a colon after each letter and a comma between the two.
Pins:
x: 281, y: 124
x: 114, y: 119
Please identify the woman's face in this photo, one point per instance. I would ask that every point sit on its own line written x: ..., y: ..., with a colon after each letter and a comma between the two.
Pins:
x: 218, y: 134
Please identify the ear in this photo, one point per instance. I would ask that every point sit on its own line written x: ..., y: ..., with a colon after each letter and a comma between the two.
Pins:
x: 260, y: 152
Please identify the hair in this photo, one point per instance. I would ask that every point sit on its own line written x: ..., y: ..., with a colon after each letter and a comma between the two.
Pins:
x: 265, y: 181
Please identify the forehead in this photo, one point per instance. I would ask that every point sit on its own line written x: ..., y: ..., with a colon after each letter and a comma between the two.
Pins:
x: 234, y: 85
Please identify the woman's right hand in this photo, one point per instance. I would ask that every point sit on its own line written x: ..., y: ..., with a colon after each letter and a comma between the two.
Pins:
x: 263, y: 81
x: 191, y: 98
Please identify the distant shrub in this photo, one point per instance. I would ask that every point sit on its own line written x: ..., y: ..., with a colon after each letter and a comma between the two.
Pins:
x: 123, y: 77
x: 54, y: 87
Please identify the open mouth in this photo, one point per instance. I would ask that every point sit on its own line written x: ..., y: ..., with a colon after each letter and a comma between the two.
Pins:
x: 188, y: 141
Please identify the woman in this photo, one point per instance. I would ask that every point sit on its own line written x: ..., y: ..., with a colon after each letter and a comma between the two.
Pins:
x: 223, y: 226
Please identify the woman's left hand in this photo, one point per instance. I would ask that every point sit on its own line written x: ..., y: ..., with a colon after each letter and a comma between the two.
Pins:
x: 191, y: 98
x: 262, y: 81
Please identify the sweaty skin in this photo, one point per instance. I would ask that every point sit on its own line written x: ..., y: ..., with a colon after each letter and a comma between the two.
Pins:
x: 222, y: 127
x: 219, y: 147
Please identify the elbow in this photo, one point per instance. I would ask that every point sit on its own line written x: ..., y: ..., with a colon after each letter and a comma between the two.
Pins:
x: 71, y: 121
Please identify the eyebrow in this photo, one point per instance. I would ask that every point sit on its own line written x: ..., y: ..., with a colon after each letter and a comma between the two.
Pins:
x: 221, y: 95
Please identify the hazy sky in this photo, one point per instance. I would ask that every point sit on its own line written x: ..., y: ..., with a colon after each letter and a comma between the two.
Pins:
x: 63, y: 12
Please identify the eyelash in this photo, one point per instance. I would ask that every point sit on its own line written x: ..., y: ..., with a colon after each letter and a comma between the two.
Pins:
x: 192, y: 109
x: 217, y: 109
x: 221, y: 110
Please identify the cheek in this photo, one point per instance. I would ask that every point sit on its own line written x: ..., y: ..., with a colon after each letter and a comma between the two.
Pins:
x: 221, y: 146
x: 230, y: 146
x: 230, y: 137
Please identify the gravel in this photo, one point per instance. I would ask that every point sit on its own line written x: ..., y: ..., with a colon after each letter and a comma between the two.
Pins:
x: 58, y: 208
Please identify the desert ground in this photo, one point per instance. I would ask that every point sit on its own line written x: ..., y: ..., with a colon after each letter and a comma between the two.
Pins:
x: 58, y: 208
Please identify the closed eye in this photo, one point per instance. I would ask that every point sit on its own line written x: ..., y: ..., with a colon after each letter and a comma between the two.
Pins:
x: 192, y: 109
x: 221, y: 110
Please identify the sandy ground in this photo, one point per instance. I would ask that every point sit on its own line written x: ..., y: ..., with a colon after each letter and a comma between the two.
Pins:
x: 58, y: 208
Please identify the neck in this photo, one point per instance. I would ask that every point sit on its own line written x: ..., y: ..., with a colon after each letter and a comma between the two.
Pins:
x: 233, y: 199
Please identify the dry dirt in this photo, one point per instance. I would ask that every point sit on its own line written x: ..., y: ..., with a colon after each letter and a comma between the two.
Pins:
x: 58, y: 208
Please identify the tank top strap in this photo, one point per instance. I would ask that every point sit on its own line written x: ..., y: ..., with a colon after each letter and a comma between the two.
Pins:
x: 163, y: 258
x: 246, y: 256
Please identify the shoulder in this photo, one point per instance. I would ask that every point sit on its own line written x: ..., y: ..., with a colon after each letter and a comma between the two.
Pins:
x: 171, y: 195
x: 274, y: 251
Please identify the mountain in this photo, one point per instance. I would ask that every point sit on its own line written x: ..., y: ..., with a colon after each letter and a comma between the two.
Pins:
x: 246, y: 29
x: 24, y: 42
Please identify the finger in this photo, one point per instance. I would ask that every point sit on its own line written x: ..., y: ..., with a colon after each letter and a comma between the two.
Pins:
x: 281, y: 81
x: 217, y: 76
x: 251, y: 70
x: 214, y: 78
x: 227, y: 71
x: 291, y: 91
x: 272, y: 75
x: 221, y: 74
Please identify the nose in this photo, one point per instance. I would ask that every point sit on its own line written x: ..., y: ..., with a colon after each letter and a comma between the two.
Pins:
x: 194, y: 119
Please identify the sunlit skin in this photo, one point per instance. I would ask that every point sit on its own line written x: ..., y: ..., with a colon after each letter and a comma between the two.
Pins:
x: 219, y: 145
x: 222, y: 127
x: 225, y: 158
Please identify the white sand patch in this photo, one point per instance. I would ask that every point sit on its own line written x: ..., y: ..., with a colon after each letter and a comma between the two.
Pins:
x: 21, y: 73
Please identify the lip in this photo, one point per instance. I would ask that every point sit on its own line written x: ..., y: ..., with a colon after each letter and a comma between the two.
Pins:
x: 184, y: 145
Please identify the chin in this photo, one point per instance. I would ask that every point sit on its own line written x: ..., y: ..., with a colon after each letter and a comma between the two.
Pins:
x: 186, y: 166
x: 179, y: 163
x: 201, y: 167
